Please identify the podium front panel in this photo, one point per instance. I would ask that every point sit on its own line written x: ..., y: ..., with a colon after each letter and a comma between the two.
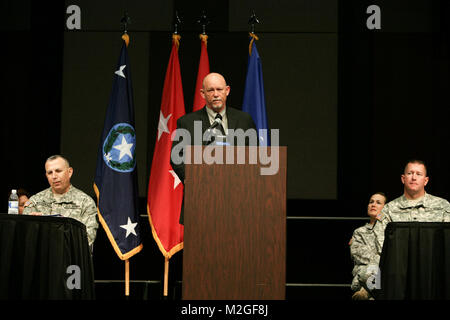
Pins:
x: 235, y: 231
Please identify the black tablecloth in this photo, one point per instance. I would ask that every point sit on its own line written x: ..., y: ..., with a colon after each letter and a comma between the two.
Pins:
x: 415, y: 261
x: 36, y: 253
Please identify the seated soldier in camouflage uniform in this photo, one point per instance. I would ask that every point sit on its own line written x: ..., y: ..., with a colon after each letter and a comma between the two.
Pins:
x: 362, y: 246
x: 63, y: 198
x: 415, y: 205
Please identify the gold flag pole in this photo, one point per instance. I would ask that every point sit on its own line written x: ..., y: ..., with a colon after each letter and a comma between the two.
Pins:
x: 127, y: 277
x: 166, y: 276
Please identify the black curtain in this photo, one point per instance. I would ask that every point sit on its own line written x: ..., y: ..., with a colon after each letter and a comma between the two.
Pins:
x: 30, y: 94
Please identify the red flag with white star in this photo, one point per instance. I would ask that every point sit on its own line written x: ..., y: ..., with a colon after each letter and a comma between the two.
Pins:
x: 203, y: 70
x: 165, y: 190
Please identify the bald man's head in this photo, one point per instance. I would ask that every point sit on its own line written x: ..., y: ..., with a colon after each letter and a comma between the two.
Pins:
x: 215, y: 91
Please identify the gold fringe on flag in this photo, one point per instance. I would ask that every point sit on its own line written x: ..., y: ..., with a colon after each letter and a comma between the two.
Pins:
x: 254, y: 37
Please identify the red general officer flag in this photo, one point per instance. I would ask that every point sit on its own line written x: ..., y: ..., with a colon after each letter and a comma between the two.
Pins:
x: 203, y: 71
x: 165, y: 190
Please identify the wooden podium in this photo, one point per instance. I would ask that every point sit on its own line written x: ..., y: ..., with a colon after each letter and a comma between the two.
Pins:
x: 234, y: 228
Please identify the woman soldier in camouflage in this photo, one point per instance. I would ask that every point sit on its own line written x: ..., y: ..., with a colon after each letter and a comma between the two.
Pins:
x: 362, y: 245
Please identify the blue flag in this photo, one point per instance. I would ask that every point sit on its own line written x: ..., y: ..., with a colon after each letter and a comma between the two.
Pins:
x: 254, y: 101
x: 115, y: 182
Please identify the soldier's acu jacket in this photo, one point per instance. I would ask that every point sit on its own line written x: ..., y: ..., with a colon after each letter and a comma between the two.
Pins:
x: 363, y: 251
x: 428, y: 209
x: 74, y: 204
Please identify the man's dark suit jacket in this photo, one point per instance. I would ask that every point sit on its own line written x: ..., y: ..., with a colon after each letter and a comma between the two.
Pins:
x: 236, y: 120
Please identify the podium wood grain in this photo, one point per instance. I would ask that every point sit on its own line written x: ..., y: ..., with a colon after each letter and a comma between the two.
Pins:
x: 235, y: 231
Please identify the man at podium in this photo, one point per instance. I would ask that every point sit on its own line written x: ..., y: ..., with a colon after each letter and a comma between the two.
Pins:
x: 216, y: 115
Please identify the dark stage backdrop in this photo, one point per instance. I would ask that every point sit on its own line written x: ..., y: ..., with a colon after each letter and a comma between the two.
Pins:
x: 30, y: 92
x: 393, y: 101
x: 300, y: 73
x: 351, y: 104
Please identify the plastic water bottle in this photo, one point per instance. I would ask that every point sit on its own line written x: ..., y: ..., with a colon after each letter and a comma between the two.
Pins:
x: 13, y: 202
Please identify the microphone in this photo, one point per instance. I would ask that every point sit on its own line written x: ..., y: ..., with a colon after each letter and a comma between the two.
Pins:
x: 219, y: 137
x: 217, y: 122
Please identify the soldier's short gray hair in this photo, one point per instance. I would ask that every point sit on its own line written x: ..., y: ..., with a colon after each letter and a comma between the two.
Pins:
x: 58, y: 156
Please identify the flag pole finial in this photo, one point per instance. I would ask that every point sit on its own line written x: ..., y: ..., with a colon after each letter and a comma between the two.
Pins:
x: 252, y: 21
x: 203, y: 21
x: 177, y: 22
x: 175, y: 36
x: 125, y: 21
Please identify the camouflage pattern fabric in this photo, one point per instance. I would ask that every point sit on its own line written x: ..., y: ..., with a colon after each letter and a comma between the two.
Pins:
x: 362, y: 251
x: 427, y: 209
x: 73, y: 204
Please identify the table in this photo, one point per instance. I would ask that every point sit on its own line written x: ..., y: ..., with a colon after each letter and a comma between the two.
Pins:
x: 43, y: 257
x: 415, y: 261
